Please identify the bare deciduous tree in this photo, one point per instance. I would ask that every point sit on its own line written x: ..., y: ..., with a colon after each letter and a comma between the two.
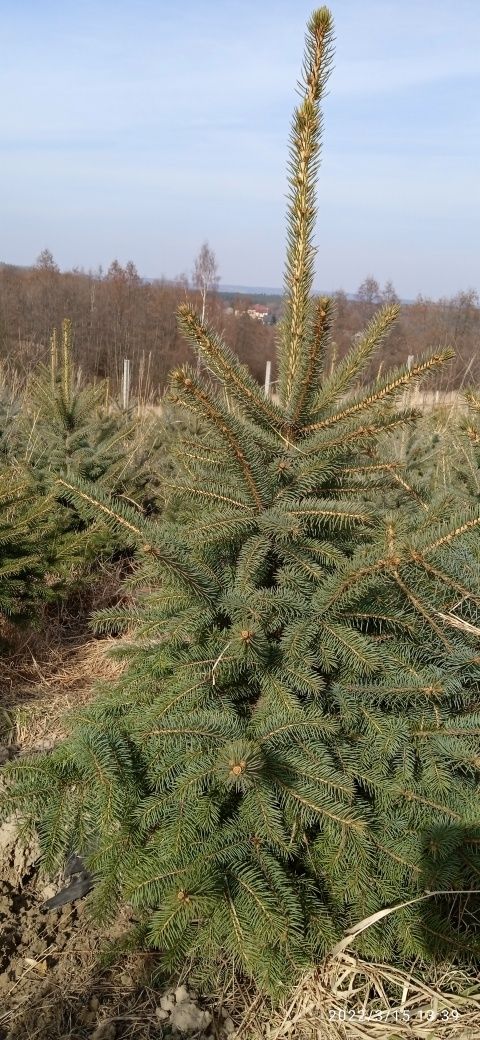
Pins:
x: 46, y: 262
x: 205, y: 274
x: 369, y: 291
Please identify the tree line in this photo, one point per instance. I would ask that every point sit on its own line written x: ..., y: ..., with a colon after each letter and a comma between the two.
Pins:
x: 117, y: 314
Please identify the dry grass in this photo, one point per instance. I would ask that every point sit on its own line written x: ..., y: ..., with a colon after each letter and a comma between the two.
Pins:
x: 344, y: 999
x: 51, y: 669
x: 430, y: 400
x: 347, y: 998
x: 60, y: 685
x: 42, y: 682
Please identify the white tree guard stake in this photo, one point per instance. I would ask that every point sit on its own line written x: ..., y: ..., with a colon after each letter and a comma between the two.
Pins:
x: 268, y: 373
x: 126, y: 384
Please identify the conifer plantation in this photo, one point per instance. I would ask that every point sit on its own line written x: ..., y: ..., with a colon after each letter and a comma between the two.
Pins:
x: 293, y: 743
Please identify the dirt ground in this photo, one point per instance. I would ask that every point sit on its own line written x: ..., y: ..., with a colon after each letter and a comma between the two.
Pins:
x: 50, y: 985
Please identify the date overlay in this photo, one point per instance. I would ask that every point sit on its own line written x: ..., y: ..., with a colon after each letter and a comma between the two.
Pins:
x: 394, y: 1015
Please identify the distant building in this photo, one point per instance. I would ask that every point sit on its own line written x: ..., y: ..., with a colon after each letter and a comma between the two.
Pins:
x: 259, y: 312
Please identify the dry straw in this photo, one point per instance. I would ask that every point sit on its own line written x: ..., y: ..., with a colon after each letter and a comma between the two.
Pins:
x: 347, y: 998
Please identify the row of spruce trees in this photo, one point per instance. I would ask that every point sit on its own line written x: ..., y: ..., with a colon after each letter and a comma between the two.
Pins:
x: 293, y: 744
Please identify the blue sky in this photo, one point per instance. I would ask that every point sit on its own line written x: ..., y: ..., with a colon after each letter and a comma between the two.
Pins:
x: 136, y: 129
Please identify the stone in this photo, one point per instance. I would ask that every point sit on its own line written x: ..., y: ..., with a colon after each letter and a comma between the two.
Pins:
x: 181, y: 994
x: 167, y: 1003
x: 161, y: 1014
x: 187, y: 1017
x: 44, y: 744
x: 229, y: 1025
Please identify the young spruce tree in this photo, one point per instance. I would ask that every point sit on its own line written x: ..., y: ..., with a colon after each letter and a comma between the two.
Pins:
x: 69, y: 430
x: 293, y: 745
x: 28, y: 538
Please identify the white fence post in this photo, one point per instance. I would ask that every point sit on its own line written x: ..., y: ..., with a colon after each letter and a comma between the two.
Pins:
x: 268, y: 373
x: 126, y: 384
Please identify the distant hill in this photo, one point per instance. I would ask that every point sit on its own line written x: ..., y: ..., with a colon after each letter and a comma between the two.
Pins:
x: 250, y: 290
x: 262, y: 290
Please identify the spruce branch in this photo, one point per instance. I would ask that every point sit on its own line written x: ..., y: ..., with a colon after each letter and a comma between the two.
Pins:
x: 223, y: 364
x: 393, y: 384
x: 364, y: 435
x: 66, y: 360
x: 458, y: 531
x: 106, y: 508
x: 203, y: 493
x: 346, y: 372
x: 197, y: 578
x: 183, y: 382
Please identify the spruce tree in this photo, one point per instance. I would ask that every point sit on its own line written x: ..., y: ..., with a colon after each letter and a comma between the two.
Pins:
x: 294, y: 742
x: 71, y: 430
x: 27, y: 548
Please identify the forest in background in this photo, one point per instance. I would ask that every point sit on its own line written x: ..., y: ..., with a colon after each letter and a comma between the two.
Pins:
x: 116, y: 314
